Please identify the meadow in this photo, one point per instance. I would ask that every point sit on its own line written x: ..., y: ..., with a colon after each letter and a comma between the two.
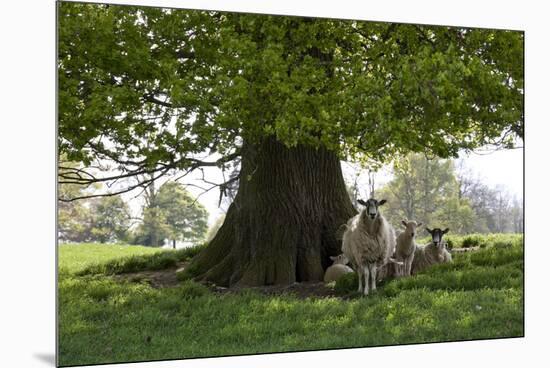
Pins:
x: 104, y: 318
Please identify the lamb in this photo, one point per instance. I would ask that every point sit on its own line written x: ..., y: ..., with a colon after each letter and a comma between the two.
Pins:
x: 338, y: 268
x: 432, y: 253
x: 406, y: 247
x: 368, y: 242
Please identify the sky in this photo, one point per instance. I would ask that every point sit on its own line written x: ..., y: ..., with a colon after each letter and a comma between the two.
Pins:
x: 503, y: 168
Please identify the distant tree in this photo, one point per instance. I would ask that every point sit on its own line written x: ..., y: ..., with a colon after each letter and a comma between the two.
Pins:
x: 171, y: 213
x: 419, y: 188
x: 516, y: 215
x: 495, y: 210
x: 502, y: 208
x: 186, y: 218
x: 427, y: 190
x: 153, y: 229
x: 471, y: 187
x: 110, y: 219
x: 73, y: 218
x: 353, y: 187
x: 456, y: 214
x: 353, y: 193
x: 103, y: 219
x: 444, y: 193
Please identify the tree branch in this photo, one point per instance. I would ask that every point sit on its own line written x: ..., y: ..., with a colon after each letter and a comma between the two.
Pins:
x: 150, y: 97
x: 77, y: 176
x: 141, y: 184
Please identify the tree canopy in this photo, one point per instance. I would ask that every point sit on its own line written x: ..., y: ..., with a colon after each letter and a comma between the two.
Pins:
x: 150, y: 89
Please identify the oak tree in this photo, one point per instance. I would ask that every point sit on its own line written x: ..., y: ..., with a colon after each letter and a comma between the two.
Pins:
x: 152, y: 89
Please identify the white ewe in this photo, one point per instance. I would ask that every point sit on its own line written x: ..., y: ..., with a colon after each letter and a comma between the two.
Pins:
x: 432, y: 253
x: 406, y: 246
x: 337, y: 269
x: 368, y: 242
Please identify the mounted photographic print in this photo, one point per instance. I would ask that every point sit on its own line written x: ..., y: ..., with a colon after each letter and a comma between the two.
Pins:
x: 233, y: 183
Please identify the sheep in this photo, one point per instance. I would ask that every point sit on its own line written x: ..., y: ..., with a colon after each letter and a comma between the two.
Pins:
x: 368, y: 242
x: 432, y: 253
x: 338, y: 268
x: 406, y: 247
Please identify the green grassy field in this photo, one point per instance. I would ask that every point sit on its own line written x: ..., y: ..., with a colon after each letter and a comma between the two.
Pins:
x: 102, y: 320
x: 77, y: 257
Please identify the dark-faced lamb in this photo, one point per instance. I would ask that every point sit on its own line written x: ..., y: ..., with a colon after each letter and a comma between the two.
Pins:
x: 368, y: 242
x: 406, y: 247
x: 433, y: 253
x: 338, y: 269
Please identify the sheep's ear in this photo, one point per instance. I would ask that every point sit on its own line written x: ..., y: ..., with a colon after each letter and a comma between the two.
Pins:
x: 404, y: 223
x: 419, y: 224
x: 360, y: 201
x: 428, y: 230
x: 333, y: 258
x: 445, y: 231
x: 381, y: 202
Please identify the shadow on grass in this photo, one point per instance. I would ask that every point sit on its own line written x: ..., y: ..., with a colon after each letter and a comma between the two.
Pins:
x: 106, y: 321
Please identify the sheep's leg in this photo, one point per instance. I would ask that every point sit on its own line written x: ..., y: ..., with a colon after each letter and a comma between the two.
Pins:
x: 367, y: 274
x: 360, y: 276
x: 400, y: 269
x: 409, y: 265
x: 373, y: 270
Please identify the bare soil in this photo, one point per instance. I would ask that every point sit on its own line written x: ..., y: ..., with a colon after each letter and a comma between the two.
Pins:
x: 157, y: 279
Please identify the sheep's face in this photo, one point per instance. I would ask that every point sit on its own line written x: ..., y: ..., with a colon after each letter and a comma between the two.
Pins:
x: 371, y: 207
x: 410, y: 227
x: 340, y: 259
x: 437, y: 235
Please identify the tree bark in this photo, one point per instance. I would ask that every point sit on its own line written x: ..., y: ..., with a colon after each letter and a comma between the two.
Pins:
x: 285, y: 222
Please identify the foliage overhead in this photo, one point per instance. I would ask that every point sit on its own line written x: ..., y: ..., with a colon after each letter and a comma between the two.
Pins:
x: 151, y: 88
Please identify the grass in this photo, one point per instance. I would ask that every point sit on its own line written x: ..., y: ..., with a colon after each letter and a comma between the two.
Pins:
x: 477, y: 240
x: 74, y: 258
x: 478, y: 296
x: 110, y: 259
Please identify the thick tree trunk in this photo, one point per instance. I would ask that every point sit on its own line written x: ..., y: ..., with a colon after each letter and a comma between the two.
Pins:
x: 285, y: 222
